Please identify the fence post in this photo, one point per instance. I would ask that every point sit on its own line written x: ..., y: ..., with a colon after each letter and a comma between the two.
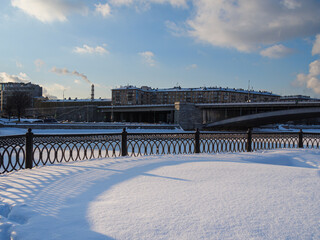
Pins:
x: 29, y: 148
x: 300, y: 143
x: 124, y: 147
x: 249, y: 140
x: 197, y: 141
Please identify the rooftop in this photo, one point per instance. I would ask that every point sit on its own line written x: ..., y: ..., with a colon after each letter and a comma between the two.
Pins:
x: 179, y: 89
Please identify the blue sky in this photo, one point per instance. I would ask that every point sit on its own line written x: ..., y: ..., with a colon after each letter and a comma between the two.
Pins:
x: 66, y: 45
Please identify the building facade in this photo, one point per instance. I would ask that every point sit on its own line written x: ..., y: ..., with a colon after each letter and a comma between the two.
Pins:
x: 77, y: 110
x: 131, y: 95
x: 7, y: 90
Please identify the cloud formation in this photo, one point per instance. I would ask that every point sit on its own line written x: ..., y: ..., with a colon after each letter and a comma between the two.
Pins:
x: 148, y: 58
x: 65, y: 71
x: 246, y: 25
x: 85, y: 49
x: 312, y: 79
x: 22, y: 77
x: 175, y: 29
x: 276, y: 51
x: 103, y: 9
x: 192, y: 66
x: 121, y: 2
x: 50, y: 11
x: 316, y: 46
x: 175, y: 3
x: 53, y: 88
x: 19, y: 64
x: 39, y: 64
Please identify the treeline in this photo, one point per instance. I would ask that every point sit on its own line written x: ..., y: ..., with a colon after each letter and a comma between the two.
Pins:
x: 16, y: 104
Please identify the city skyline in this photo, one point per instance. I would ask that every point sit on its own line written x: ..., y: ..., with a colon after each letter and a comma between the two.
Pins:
x: 66, y: 45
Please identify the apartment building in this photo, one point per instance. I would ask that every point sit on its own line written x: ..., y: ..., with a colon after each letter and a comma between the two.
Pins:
x: 131, y: 95
x: 7, y: 89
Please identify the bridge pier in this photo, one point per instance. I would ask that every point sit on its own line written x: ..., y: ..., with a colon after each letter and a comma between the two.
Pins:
x: 188, y: 116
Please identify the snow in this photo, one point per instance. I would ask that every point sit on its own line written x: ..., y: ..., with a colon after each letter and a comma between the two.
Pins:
x: 21, y: 131
x: 261, y: 195
x: 15, y: 120
x: 289, y: 128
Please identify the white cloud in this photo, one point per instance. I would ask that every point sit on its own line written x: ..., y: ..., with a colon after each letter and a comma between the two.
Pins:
x: 50, y: 10
x: 175, y: 3
x: 22, y: 77
x: 121, y: 2
x: 39, y: 64
x: 310, y: 80
x: 276, y: 51
x: 316, y: 46
x: 246, y: 25
x: 103, y: 9
x: 48, y: 89
x: 19, y: 64
x: 56, y: 86
x: 174, y: 29
x: 85, y: 49
x: 192, y: 66
x: 65, y: 71
x: 60, y: 71
x: 148, y: 58
x: 291, y: 4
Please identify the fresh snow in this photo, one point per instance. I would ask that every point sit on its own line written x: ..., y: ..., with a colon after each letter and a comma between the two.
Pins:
x: 263, y: 195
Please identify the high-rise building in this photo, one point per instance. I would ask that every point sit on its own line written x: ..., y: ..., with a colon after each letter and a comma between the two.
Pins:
x: 7, y: 89
x: 131, y: 95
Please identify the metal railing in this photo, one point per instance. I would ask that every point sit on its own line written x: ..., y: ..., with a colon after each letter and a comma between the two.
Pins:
x: 30, y: 150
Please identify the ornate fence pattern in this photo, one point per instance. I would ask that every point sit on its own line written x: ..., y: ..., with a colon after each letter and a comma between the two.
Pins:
x: 266, y: 141
x: 223, y: 142
x: 66, y: 148
x: 27, y: 151
x: 160, y: 143
x: 311, y: 140
x: 12, y: 153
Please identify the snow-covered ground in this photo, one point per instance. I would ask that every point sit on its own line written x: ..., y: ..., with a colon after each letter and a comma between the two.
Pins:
x: 289, y: 128
x: 262, y: 195
x: 8, y: 131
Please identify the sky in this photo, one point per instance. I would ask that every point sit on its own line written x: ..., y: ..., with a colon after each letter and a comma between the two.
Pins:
x: 67, y: 45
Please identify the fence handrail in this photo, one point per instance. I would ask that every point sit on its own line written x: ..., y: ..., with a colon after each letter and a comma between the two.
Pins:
x: 153, y: 133
x: 29, y: 150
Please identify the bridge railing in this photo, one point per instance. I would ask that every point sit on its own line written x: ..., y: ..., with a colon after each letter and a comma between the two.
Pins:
x: 30, y: 150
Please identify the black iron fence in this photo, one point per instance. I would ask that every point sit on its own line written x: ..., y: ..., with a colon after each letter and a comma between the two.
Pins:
x: 30, y: 150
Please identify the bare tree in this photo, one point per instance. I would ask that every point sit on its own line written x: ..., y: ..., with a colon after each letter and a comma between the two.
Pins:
x: 9, y: 107
x: 20, y: 101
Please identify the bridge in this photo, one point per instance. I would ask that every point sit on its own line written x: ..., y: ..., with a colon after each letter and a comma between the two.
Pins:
x: 215, y: 115
x: 259, y: 119
x: 238, y: 115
